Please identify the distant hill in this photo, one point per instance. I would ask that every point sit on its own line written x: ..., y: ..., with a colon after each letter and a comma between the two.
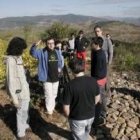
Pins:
x: 13, y: 22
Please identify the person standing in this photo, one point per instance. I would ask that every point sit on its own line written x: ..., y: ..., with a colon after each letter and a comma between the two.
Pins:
x: 81, y: 43
x: 17, y: 85
x: 79, y: 98
x: 108, y: 49
x: 99, y: 72
x: 72, y: 42
x: 49, y: 66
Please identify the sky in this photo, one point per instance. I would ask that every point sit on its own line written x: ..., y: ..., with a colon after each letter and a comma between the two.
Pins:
x: 97, y: 8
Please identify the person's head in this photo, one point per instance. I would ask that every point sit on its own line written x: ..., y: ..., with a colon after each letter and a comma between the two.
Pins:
x: 97, y: 43
x: 81, y: 33
x: 16, y: 46
x: 58, y: 44
x: 65, y: 45
x: 98, y: 31
x: 50, y: 43
x: 72, y: 35
x: 77, y: 65
x: 108, y: 36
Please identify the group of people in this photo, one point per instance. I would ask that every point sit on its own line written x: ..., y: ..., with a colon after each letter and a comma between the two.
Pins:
x: 84, y: 98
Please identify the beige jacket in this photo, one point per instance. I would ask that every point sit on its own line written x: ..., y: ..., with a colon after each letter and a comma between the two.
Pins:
x: 17, y: 84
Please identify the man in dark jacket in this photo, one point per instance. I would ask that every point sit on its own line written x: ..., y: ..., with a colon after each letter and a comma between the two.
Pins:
x: 81, y: 43
x: 99, y: 72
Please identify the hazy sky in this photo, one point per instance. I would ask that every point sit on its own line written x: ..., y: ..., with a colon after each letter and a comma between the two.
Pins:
x: 114, y: 8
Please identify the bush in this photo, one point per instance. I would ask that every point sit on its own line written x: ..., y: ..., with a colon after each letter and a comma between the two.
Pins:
x: 126, y: 57
x: 2, y: 52
x: 58, y: 31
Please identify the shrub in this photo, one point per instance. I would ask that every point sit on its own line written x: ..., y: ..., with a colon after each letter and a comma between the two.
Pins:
x: 126, y: 57
x: 58, y: 31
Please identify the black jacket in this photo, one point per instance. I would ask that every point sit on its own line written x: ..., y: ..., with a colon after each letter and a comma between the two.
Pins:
x: 81, y: 45
x: 98, y: 64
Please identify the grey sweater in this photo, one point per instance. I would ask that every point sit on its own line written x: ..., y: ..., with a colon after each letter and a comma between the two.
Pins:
x: 108, y: 48
x: 17, y: 85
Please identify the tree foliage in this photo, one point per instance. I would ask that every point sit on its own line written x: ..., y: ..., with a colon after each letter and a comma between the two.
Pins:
x: 58, y: 31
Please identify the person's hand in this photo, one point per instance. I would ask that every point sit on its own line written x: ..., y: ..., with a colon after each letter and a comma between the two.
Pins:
x: 59, y: 70
x: 39, y: 42
x: 17, y: 105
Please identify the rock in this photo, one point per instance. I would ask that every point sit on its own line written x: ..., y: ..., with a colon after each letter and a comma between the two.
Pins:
x: 135, y: 120
x: 116, y: 113
x: 121, y: 120
x: 126, y: 104
x: 111, y: 111
x: 114, y: 117
x: 114, y: 133
x: 111, y: 120
x: 126, y: 116
x: 114, y: 106
x: 133, y: 136
x: 123, y: 125
x: 128, y: 130
x: 110, y: 125
x: 138, y: 132
x: 128, y: 97
x: 121, y: 133
x: 124, y: 138
x: 132, y: 124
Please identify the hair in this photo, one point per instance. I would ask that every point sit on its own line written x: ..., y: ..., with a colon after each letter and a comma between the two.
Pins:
x: 81, y: 32
x: 72, y: 34
x: 47, y: 39
x: 77, y: 65
x: 107, y: 34
x: 65, y: 43
x: 16, y: 46
x: 98, y: 41
x: 58, y: 42
x: 97, y: 26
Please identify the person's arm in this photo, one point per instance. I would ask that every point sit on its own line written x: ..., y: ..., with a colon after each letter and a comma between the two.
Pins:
x: 33, y: 51
x: 87, y: 42
x: 97, y: 96
x: 11, y: 80
x: 75, y: 44
x: 110, y: 51
x: 97, y: 99
x: 66, y: 99
x: 66, y: 109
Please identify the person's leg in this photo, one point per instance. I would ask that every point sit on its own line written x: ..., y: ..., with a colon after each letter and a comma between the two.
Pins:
x: 107, y: 86
x: 48, y: 97
x: 78, y: 129
x: 22, y: 118
x: 100, y: 108
x: 88, y: 127
x: 54, y: 93
x: 103, y: 101
x: 84, y: 57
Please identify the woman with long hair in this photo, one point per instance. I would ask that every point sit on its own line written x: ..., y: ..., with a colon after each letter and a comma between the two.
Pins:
x: 17, y: 85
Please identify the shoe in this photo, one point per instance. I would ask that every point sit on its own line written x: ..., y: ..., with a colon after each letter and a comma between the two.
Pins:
x: 28, y: 130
